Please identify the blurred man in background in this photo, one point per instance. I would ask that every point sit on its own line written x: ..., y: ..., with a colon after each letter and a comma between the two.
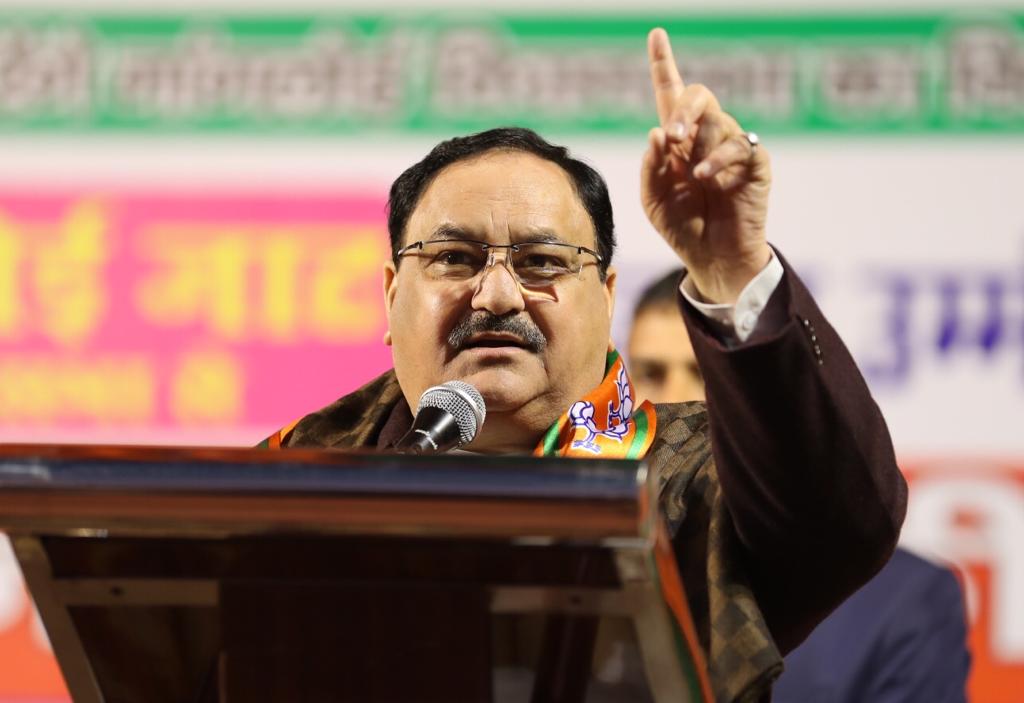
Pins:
x: 900, y: 638
x: 661, y: 357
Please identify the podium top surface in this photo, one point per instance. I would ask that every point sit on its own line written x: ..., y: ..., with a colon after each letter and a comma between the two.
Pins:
x: 180, y: 491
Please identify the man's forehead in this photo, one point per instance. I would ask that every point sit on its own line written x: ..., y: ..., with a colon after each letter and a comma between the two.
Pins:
x: 659, y: 332
x: 500, y: 195
x: 448, y: 230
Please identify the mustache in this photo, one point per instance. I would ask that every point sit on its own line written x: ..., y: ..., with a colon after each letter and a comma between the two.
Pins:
x: 479, y: 322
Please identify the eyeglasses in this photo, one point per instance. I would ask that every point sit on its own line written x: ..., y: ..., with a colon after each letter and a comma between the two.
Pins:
x: 532, y: 263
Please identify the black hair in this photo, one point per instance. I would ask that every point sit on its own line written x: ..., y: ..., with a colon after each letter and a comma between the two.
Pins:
x: 408, y: 188
x: 661, y: 293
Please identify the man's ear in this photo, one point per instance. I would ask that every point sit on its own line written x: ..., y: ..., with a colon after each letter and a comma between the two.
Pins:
x: 390, y: 278
x: 609, y: 289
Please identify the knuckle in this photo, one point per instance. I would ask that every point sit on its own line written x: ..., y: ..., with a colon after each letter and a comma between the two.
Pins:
x: 664, y: 82
x: 711, y: 132
x: 716, y: 122
x: 705, y: 97
x: 699, y: 89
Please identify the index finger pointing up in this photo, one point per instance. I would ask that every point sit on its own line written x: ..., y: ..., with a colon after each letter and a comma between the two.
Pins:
x: 665, y: 78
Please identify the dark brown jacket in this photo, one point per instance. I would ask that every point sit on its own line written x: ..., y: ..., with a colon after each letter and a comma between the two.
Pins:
x: 782, y: 493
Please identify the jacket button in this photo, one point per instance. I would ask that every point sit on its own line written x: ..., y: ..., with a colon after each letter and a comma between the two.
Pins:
x: 747, y: 322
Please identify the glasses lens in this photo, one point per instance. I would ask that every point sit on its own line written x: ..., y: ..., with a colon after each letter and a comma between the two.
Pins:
x: 538, y: 264
x: 534, y: 263
x: 453, y: 260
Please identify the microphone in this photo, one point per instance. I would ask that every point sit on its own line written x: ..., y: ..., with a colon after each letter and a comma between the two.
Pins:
x: 447, y: 417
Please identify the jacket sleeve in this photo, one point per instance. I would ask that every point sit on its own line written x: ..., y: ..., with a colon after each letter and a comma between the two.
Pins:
x: 804, y: 459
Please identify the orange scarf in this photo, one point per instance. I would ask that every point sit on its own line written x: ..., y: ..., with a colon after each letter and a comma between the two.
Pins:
x: 603, y: 424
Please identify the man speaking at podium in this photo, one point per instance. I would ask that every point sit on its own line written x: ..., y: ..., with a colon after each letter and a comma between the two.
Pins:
x: 782, y: 496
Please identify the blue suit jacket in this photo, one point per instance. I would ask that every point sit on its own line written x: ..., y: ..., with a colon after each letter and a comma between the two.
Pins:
x: 901, y: 637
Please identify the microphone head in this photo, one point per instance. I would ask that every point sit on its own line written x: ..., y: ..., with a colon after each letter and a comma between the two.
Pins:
x: 462, y: 401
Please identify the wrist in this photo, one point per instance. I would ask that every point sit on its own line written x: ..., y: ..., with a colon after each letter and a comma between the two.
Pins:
x: 722, y: 280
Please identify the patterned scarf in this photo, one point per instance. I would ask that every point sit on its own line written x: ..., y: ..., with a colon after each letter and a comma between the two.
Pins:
x: 604, y: 423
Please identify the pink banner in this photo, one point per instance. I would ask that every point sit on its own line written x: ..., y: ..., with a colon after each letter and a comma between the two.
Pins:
x: 195, y: 318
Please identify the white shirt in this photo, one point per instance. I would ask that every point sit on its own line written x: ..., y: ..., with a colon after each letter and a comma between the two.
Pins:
x: 737, y: 322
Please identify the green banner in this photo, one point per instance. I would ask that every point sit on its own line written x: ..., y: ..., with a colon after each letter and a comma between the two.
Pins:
x: 327, y: 74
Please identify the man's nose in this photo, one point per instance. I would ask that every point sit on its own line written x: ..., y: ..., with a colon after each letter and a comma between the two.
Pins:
x: 498, y: 291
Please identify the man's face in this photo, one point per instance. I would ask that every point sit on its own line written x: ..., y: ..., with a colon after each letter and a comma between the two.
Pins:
x: 662, y: 364
x: 501, y: 197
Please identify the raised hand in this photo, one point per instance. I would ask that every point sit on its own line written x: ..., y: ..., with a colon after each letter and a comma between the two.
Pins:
x: 704, y: 185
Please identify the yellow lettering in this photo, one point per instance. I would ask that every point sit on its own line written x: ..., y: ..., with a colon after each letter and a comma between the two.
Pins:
x: 207, y: 387
x: 106, y: 390
x: 29, y: 393
x: 10, y: 281
x: 345, y: 305
x: 277, y: 284
x: 67, y: 277
x: 202, y: 281
x: 229, y: 258
x: 281, y: 257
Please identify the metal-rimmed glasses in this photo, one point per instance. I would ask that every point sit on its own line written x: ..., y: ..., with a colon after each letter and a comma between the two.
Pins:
x: 533, y: 264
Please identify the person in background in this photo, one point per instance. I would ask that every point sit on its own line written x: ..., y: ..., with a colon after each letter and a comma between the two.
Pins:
x: 663, y: 365
x: 902, y: 637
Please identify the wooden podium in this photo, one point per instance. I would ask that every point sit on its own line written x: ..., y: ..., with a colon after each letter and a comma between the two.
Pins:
x: 168, y: 575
